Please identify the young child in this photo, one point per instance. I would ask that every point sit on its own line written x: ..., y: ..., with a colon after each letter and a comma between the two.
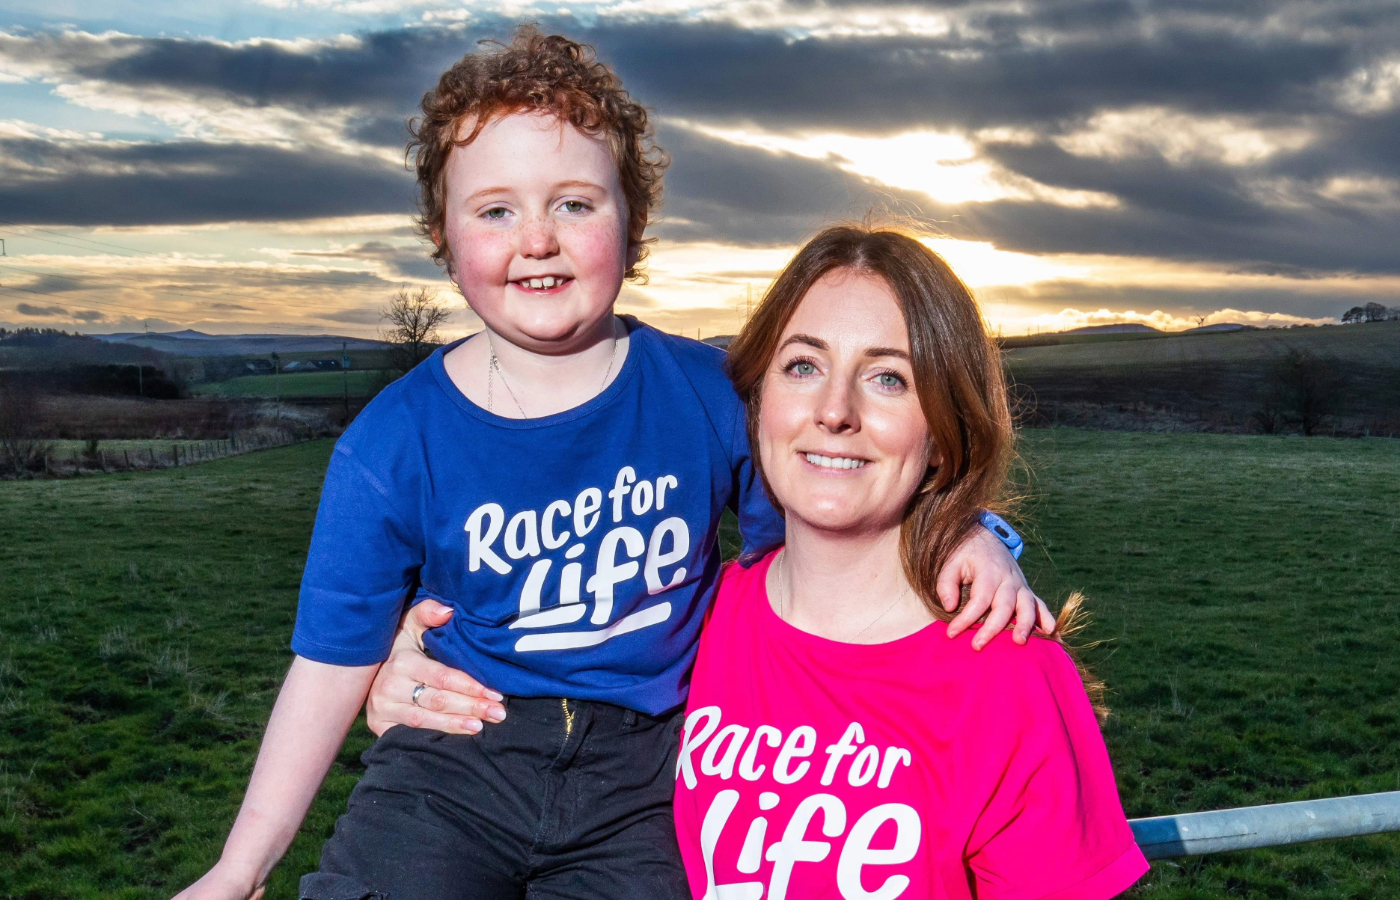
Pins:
x: 558, y: 481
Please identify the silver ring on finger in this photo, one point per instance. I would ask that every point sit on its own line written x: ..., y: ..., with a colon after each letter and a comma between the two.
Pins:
x: 418, y: 692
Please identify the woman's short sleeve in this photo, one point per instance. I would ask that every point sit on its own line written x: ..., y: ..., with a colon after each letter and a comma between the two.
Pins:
x: 1052, y: 826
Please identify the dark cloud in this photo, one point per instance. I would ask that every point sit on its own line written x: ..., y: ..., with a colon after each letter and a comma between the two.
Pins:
x: 231, y: 306
x: 1046, y: 67
x: 89, y: 316
x: 408, y: 262
x: 189, y: 182
x: 29, y: 309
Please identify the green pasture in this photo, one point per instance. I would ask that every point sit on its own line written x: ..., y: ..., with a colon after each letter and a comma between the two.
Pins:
x: 1244, y: 589
x: 73, y: 449
x: 361, y: 383
x: 1376, y: 344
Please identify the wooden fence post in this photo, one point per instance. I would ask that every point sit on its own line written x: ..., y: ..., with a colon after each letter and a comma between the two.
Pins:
x: 127, y: 455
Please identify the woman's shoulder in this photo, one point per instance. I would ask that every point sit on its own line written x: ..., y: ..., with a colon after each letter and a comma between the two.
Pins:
x: 1038, y: 676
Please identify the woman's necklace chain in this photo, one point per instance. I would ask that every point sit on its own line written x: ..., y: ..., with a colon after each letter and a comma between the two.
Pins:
x: 493, y: 367
x: 783, y: 592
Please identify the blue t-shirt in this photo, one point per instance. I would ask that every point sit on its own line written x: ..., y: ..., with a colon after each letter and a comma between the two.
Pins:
x: 579, y: 551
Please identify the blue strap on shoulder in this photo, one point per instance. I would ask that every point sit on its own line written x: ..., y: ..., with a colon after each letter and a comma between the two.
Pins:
x: 1004, y: 532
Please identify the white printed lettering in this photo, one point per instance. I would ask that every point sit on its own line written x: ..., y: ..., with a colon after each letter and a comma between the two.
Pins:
x: 516, y: 548
x: 641, y: 498
x: 547, y: 536
x: 625, y: 476
x: 893, y: 757
x: 680, y: 546
x: 609, y: 573
x: 662, y: 483
x: 530, y: 596
x: 586, y: 506
x: 690, y: 739
x: 794, y: 847
x: 716, y: 817
x: 798, y: 744
x: 770, y: 736
x: 734, y: 735
x: 857, y: 852
x: 863, y: 767
x: 841, y: 749
x: 478, y: 544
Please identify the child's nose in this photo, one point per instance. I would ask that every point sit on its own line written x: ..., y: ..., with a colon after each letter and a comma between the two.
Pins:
x: 539, y: 239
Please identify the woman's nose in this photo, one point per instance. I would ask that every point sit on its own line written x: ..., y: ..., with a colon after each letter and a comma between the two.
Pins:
x: 837, y: 408
x: 538, y: 240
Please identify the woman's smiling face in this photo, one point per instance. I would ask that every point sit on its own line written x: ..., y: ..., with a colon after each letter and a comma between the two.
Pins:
x: 842, y: 437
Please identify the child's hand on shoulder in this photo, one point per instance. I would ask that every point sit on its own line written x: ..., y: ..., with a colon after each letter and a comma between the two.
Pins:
x: 998, y: 591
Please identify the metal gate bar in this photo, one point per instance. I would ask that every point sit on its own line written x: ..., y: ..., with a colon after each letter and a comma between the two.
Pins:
x: 1192, y: 834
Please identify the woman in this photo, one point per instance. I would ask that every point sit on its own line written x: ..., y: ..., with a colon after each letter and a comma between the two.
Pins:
x: 838, y: 743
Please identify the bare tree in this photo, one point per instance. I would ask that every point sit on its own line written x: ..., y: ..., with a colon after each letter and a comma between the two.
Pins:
x: 20, y: 449
x: 411, y: 323
x: 1306, y: 389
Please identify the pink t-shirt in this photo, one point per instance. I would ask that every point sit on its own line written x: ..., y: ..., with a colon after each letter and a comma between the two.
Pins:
x: 917, y: 768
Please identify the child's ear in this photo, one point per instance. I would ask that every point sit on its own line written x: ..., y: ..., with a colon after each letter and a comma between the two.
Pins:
x: 634, y: 253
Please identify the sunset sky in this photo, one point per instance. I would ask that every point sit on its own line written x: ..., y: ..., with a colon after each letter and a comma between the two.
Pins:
x: 1080, y: 161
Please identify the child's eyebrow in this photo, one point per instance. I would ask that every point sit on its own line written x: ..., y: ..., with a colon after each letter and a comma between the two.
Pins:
x: 581, y: 184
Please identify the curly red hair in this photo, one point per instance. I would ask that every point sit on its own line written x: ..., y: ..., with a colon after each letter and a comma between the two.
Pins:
x: 543, y: 73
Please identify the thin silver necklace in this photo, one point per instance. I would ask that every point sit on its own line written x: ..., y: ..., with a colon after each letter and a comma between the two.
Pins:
x: 493, y: 366
x: 783, y: 591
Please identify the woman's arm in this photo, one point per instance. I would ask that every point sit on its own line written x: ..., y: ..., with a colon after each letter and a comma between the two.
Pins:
x: 313, y: 713
x: 451, y: 700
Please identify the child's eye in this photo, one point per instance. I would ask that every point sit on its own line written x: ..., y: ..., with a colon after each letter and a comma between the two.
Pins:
x: 496, y: 212
x: 573, y: 206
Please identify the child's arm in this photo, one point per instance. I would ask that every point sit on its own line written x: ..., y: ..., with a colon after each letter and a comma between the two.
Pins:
x: 999, y: 591
x: 314, y: 711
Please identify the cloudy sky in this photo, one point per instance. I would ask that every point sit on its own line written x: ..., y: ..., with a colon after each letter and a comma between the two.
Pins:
x: 1080, y: 161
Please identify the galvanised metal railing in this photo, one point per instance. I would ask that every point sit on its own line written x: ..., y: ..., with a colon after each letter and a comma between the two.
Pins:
x: 1217, y: 831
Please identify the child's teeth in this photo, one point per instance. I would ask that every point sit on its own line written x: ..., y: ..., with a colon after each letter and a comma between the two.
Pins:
x: 536, y: 283
x: 549, y: 281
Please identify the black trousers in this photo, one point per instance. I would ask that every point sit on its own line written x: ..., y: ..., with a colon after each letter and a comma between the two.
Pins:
x: 564, y: 799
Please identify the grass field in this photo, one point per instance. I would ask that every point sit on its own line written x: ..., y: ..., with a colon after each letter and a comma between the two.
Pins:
x: 73, y: 449
x: 1246, y: 589
x: 1373, y: 344
x: 362, y: 382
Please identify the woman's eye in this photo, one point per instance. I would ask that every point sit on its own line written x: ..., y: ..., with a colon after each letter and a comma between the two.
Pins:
x: 803, y: 368
x: 889, y: 380
x: 496, y: 212
x: 574, y: 206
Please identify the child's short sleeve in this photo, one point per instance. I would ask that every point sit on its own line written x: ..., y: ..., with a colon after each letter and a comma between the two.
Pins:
x: 1054, y: 820
x: 360, y: 571
x: 759, y: 523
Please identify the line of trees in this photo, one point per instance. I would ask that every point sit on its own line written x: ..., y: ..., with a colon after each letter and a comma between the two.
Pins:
x: 1300, y: 389
x: 1371, y: 312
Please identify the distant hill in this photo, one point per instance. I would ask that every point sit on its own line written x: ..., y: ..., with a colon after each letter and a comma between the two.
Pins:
x: 1220, y: 327
x: 197, y: 343
x: 1123, y: 328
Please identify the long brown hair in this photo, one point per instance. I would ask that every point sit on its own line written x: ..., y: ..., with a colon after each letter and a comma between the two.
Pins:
x: 958, y: 378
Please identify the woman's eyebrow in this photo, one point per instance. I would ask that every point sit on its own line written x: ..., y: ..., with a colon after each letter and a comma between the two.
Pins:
x: 887, y: 351
x: 807, y: 339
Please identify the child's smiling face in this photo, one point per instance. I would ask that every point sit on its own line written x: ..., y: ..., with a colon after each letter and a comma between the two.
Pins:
x: 537, y: 227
